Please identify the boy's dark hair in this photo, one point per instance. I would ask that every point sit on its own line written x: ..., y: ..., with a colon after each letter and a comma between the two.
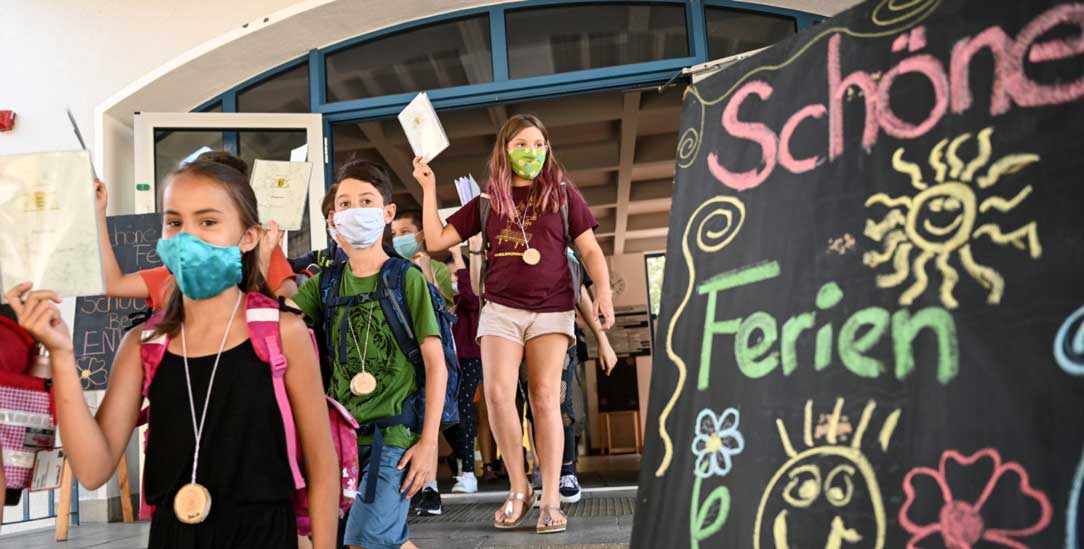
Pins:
x: 415, y: 217
x: 328, y: 205
x: 369, y: 172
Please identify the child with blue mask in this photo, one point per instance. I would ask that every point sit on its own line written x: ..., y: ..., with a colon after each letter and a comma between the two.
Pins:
x: 371, y: 375
x: 227, y: 445
x: 409, y: 242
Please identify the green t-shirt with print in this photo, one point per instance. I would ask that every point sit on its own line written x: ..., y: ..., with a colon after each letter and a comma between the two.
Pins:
x: 392, y: 369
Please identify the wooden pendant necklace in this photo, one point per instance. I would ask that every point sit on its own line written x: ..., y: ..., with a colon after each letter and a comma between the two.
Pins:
x: 531, y: 256
x: 192, y: 504
x: 363, y: 383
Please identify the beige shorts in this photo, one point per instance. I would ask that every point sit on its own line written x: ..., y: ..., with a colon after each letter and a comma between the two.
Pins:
x: 522, y: 326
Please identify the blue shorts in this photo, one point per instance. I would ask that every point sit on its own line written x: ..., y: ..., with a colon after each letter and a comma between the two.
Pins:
x: 381, y: 524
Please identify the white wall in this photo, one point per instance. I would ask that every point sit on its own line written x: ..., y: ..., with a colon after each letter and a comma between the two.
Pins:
x: 78, y: 53
x: 630, y: 267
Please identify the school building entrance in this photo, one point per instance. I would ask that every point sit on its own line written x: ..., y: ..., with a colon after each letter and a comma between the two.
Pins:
x: 330, y: 79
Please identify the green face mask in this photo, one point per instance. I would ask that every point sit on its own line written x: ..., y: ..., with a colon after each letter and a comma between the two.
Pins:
x: 527, y: 163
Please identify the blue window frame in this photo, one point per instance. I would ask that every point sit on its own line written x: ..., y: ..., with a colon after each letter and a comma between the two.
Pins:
x: 497, y: 85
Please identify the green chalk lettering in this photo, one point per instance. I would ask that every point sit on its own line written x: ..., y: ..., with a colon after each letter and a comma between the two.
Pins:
x: 724, y: 281
x: 792, y: 328
x: 823, y: 354
x: 852, y: 345
x: 829, y: 296
x: 751, y: 358
x: 905, y: 328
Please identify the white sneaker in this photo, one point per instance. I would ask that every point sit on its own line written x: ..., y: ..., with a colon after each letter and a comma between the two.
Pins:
x: 466, y: 483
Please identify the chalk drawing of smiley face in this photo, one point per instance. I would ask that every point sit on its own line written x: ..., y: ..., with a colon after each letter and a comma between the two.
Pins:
x: 824, y: 497
x: 941, y: 217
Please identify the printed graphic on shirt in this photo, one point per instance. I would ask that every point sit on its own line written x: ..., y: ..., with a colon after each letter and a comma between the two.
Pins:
x: 512, y: 234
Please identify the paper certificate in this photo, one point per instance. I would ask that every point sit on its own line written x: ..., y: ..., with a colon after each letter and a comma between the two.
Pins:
x: 281, y: 188
x: 467, y: 188
x: 48, y: 224
x: 423, y: 129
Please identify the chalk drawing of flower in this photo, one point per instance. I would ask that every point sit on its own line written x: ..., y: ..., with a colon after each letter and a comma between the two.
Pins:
x: 717, y: 441
x: 93, y: 375
x: 964, y: 519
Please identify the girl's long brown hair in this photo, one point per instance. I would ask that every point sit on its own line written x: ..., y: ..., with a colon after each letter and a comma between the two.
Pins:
x: 231, y: 173
x: 549, y: 179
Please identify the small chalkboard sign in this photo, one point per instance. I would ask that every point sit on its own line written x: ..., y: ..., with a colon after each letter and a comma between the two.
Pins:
x: 100, y: 321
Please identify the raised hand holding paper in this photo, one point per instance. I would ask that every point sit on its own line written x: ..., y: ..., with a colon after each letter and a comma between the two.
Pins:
x: 422, y: 127
x: 48, y: 229
x: 280, y: 189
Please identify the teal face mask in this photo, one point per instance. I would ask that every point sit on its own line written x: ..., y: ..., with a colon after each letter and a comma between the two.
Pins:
x: 527, y: 163
x: 202, y: 270
x: 406, y: 245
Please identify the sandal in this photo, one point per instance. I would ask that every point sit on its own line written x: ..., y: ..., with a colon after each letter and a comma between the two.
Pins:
x: 547, y: 523
x: 507, y: 522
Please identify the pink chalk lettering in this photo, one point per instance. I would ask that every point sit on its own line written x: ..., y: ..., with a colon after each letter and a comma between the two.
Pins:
x: 995, y: 40
x: 918, y: 39
x: 752, y: 131
x: 931, y: 68
x: 837, y: 91
x: 900, y: 43
x: 1025, y: 91
x: 786, y: 159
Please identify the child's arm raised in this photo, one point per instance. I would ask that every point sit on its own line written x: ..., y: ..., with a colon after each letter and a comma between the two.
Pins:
x: 422, y: 457
x: 306, y: 394
x: 117, y: 284
x: 94, y: 444
x: 437, y: 238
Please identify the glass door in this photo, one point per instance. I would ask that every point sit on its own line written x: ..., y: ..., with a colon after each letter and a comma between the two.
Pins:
x: 163, y: 141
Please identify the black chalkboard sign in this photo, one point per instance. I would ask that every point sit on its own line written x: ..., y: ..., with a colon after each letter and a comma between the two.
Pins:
x: 870, y: 333
x: 100, y: 321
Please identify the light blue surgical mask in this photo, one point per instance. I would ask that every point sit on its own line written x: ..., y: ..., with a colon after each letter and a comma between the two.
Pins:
x: 406, y: 245
x: 360, y: 227
x: 201, y: 270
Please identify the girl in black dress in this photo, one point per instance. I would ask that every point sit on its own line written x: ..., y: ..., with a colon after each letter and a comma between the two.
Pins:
x: 210, y: 386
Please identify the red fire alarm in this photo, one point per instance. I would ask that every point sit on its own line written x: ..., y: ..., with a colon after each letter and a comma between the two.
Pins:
x: 7, y: 121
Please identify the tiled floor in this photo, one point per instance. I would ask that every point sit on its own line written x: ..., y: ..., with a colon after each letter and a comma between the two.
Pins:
x: 602, y: 520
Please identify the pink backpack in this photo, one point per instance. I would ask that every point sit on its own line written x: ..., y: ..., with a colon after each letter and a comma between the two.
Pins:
x: 262, y: 317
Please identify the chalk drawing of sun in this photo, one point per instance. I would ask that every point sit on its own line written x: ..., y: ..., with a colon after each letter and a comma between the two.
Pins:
x: 940, y: 220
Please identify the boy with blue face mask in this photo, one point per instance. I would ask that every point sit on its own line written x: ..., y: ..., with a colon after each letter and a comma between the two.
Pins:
x: 409, y: 242
x: 372, y: 377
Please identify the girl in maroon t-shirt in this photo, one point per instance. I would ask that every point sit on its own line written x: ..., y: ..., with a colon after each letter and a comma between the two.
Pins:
x: 530, y: 303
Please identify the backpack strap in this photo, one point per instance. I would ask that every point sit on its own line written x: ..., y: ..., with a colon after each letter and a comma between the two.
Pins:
x: 564, y: 215
x: 262, y: 317
x: 484, y: 206
x: 151, y: 352
x: 389, y: 292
